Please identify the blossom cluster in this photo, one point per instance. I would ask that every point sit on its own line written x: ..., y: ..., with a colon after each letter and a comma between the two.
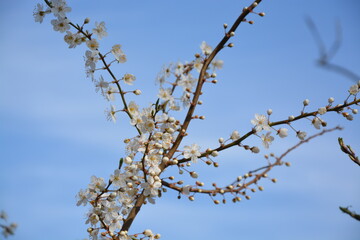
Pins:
x: 138, y: 178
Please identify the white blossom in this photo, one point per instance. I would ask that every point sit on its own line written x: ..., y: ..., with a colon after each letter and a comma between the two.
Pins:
x: 267, y: 139
x: 100, y: 30
x: 235, y: 135
x: 192, y: 152
x: 205, y: 48
x: 39, y: 13
x: 283, y: 132
x: 260, y: 122
x: 118, y: 53
x: 354, y: 89
x: 92, y: 44
x: 60, y: 24
x: 301, y: 135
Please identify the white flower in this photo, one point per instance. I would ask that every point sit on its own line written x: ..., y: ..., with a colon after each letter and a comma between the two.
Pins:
x: 217, y: 64
x: 165, y: 94
x: 92, y: 44
x: 151, y: 187
x: 354, y: 89
x: 235, y: 135
x: 39, y: 13
x: 205, y: 48
x: 101, y: 84
x: 192, y: 152
x: 83, y: 197
x: 146, y: 125
x: 60, y: 24
x: 260, y: 122
x: 322, y: 110
x: 59, y: 8
x: 118, y: 53
x: 129, y: 78
x: 267, y: 139
x: 97, y: 184
x: 110, y: 114
x: 179, y: 69
x: 110, y: 96
x: 133, y: 108
x: 198, y: 64
x: 316, y: 122
x: 187, y: 82
x: 301, y: 135
x: 91, y: 59
x: 283, y: 132
x: 100, y: 30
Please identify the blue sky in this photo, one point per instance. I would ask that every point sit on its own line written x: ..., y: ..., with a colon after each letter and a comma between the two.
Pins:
x: 54, y: 135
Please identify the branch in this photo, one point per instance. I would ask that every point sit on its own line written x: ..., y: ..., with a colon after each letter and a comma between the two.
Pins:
x: 326, y: 56
x: 350, y: 213
x: 234, y: 187
x: 337, y: 109
x: 134, y: 211
x: 348, y: 150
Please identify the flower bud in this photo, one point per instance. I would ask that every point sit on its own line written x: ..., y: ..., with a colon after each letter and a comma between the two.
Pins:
x: 215, y: 153
x: 137, y: 92
x: 194, y: 175
x: 306, y: 102
x: 255, y: 150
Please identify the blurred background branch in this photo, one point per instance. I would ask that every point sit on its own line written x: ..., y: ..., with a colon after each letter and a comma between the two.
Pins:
x: 326, y: 55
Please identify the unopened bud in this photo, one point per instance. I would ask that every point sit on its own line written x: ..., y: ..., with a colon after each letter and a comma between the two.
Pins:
x: 194, y: 175
x: 137, y: 92
x: 215, y: 153
x: 87, y: 20
x: 255, y: 150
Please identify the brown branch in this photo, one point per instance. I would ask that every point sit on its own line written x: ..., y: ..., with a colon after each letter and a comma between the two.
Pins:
x: 337, y: 108
x: 326, y: 56
x: 134, y: 211
x: 350, y: 213
x: 348, y: 150
x: 255, y: 178
x: 106, y: 66
x: 201, y: 79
